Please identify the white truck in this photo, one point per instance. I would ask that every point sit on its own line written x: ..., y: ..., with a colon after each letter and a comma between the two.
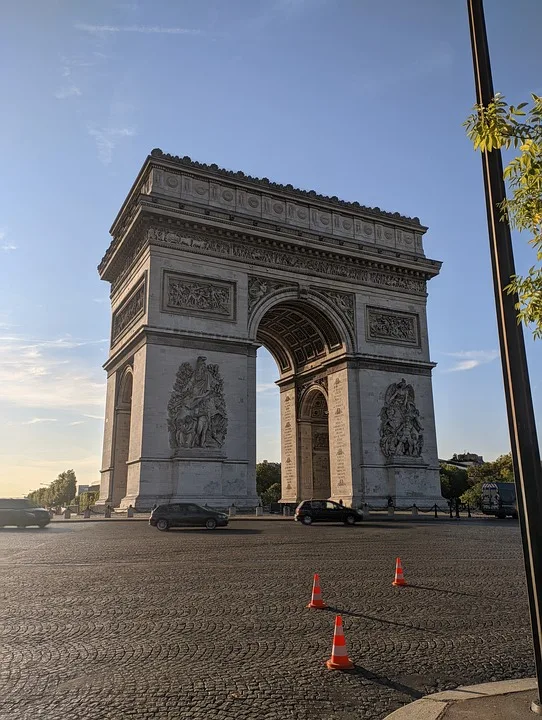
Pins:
x: 499, y: 499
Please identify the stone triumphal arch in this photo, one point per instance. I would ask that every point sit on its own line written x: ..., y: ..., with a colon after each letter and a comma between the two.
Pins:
x: 205, y: 266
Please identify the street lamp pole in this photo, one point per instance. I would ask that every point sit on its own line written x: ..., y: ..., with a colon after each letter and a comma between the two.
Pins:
x: 519, y: 404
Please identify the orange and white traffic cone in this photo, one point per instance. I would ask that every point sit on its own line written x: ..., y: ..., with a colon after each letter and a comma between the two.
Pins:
x: 339, y: 659
x: 316, y: 600
x: 399, y: 577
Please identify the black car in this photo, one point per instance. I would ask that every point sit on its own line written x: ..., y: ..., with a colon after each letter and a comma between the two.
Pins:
x: 186, y: 515
x: 310, y: 511
x: 22, y: 513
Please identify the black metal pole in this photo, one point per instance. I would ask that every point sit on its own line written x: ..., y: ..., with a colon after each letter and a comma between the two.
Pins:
x: 519, y: 404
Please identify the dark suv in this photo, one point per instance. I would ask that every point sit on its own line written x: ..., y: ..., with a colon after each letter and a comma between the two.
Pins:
x: 310, y: 511
x: 21, y: 512
x: 186, y: 515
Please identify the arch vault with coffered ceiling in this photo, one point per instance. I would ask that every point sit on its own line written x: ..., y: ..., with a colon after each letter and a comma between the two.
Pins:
x: 205, y: 266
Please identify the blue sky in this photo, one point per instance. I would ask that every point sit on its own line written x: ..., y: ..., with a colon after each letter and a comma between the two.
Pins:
x: 353, y: 98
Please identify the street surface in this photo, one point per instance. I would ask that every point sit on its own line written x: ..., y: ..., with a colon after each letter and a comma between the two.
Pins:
x: 117, y: 620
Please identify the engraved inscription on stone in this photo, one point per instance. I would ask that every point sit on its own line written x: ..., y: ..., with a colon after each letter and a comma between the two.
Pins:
x: 400, y: 427
x: 388, y: 326
x: 194, y: 296
x: 129, y: 311
x: 339, y: 429
x: 197, y: 415
x: 288, y: 426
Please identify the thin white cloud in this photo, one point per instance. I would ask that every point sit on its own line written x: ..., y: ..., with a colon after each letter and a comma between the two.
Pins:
x: 94, y: 417
x: 77, y: 422
x: 145, y: 29
x: 264, y: 387
x: 470, y: 359
x: 106, y: 140
x: 44, y: 374
x: 66, y: 343
x: 66, y: 92
x: 37, y: 420
x: 5, y: 244
x: 100, y: 300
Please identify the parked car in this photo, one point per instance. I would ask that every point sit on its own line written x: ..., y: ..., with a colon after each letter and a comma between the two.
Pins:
x: 310, y: 511
x: 22, y: 513
x: 164, y: 517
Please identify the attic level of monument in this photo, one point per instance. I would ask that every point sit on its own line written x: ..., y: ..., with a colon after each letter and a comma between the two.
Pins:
x: 239, y: 177
x: 222, y: 200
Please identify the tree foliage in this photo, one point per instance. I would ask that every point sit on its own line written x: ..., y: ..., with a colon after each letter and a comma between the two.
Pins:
x: 267, y: 474
x: 500, y: 470
x: 500, y: 125
x: 453, y: 481
x: 272, y: 494
x: 87, y: 499
x: 60, y: 492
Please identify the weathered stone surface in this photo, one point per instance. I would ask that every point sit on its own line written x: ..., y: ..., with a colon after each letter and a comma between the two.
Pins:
x: 210, y: 264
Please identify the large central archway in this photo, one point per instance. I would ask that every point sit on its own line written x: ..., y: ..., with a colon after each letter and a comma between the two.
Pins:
x: 306, y: 343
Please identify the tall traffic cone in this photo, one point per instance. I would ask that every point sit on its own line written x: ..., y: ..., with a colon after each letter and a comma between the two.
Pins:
x: 399, y: 577
x: 339, y: 659
x: 316, y: 600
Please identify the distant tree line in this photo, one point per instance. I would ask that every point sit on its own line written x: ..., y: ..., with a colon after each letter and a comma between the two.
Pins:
x: 61, y: 491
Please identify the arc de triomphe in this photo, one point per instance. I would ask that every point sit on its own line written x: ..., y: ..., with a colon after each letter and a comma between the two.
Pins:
x: 205, y: 266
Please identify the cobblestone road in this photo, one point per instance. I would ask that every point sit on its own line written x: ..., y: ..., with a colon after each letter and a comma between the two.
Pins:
x: 120, y: 621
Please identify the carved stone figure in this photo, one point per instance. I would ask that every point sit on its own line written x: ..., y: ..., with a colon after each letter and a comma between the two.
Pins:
x: 344, y: 302
x: 392, y: 326
x: 400, y: 427
x: 194, y: 295
x: 128, y: 312
x: 197, y: 415
x: 259, y: 288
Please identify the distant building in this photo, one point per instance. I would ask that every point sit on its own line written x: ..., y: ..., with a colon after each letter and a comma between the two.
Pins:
x: 82, y: 489
x: 463, y: 460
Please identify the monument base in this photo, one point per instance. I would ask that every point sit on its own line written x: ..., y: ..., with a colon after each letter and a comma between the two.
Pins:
x: 407, y: 480
x: 215, y: 481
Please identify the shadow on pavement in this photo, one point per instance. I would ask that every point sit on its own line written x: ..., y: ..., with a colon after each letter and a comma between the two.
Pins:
x: 6, y: 530
x: 358, y: 526
x: 351, y: 613
x: 386, y: 682
x: 217, y: 531
x: 444, y: 592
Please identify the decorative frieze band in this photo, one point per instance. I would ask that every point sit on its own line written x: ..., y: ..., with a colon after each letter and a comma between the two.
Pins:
x: 293, y: 260
x: 392, y: 327
x: 129, y: 311
x: 192, y: 295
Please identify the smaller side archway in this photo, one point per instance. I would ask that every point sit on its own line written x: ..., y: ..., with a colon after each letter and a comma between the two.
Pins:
x: 121, y: 437
x: 313, y: 432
